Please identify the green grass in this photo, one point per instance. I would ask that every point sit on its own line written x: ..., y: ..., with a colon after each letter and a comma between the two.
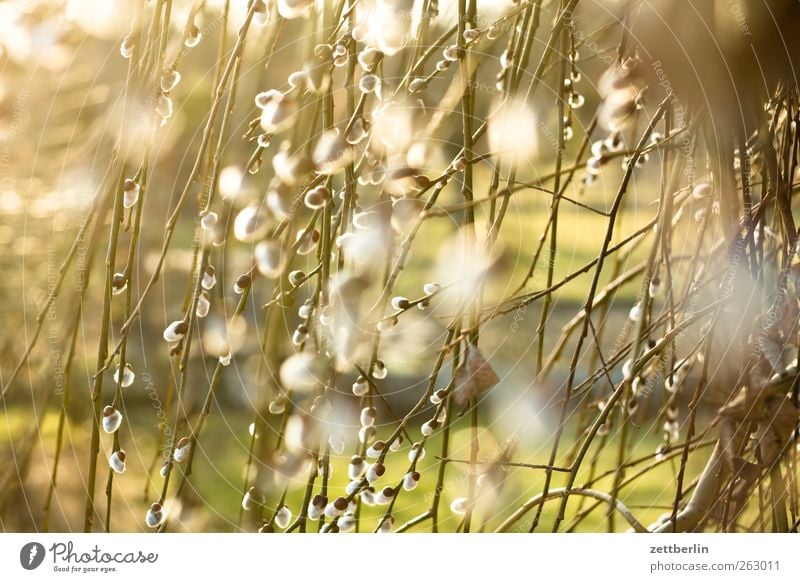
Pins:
x: 214, y: 496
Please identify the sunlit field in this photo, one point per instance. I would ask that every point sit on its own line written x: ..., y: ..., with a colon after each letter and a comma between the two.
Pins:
x: 399, y: 266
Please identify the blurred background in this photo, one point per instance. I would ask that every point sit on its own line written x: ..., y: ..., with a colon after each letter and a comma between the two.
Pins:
x: 62, y: 96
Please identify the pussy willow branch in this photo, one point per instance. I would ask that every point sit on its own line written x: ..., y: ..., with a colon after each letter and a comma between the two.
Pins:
x: 588, y: 304
x: 607, y: 293
x: 183, y: 360
x: 562, y: 493
x: 128, y: 274
x: 216, y: 378
x: 193, y: 175
x: 693, y: 406
x: 552, y: 221
x: 644, y: 300
x: 439, y: 487
x: 470, y: 318
x: 95, y: 393
x: 205, y: 200
x: 636, y: 367
x: 471, y: 137
x: 186, y: 341
x: 513, y: 304
x: 466, y: 17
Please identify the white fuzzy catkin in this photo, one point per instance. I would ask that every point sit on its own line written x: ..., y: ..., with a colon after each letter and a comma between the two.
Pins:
x: 283, y: 516
x: 154, y: 516
x: 411, y: 480
x: 459, y: 505
x: 356, y: 468
x: 127, y: 376
x: 117, y: 461
x: 175, y: 330
x: 182, y: 450
x: 112, y: 419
